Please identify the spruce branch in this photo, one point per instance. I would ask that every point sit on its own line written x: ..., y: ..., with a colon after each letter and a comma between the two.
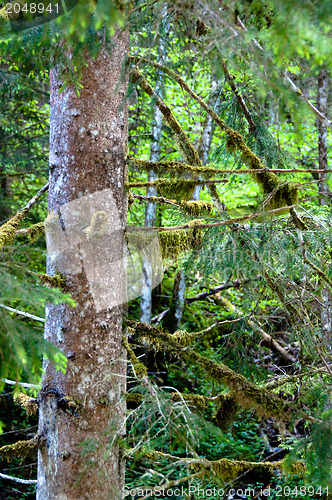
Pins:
x: 227, y: 222
x: 230, y: 79
x: 321, y: 117
x: 247, y: 394
x: 235, y: 142
x: 188, y: 149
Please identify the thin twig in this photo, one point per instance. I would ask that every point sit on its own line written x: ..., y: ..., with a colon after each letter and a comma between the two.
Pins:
x: 22, y: 313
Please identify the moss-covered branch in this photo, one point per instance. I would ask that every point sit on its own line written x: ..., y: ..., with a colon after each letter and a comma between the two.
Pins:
x: 287, y: 194
x: 29, y: 404
x: 175, y: 167
x: 182, y: 189
x: 33, y: 232
x: 225, y: 469
x: 192, y: 207
x: 190, y: 153
x: 9, y: 229
x: 247, y: 394
x: 139, y: 368
x: 21, y: 449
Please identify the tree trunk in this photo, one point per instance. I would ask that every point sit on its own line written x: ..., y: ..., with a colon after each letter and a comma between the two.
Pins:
x: 82, y: 411
x: 175, y: 314
x: 151, y: 208
x: 322, y: 137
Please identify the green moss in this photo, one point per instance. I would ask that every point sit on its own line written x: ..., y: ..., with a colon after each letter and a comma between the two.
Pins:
x: 192, y: 399
x: 196, y: 208
x: 134, y: 397
x: 181, y: 189
x: 247, y: 394
x: 8, y: 230
x: 173, y: 243
x: 55, y: 281
x: 173, y: 167
x: 20, y: 449
x: 227, y: 470
x: 29, y: 404
x: 139, y: 368
x: 36, y: 230
x: 227, y: 411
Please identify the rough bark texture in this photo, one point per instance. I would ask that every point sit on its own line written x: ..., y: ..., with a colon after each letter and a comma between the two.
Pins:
x: 87, y: 150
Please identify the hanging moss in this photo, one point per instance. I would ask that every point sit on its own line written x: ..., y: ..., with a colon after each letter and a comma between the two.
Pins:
x: 55, y: 281
x: 227, y: 411
x: 246, y: 393
x: 36, y: 230
x: 29, y: 404
x: 181, y: 189
x: 173, y: 243
x: 20, y: 449
x: 196, y: 208
x: 8, y: 230
x: 196, y: 400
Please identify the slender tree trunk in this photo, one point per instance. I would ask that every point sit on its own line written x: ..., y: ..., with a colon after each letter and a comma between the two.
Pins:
x: 82, y: 411
x: 175, y: 314
x: 151, y: 208
x: 322, y: 136
x: 322, y: 91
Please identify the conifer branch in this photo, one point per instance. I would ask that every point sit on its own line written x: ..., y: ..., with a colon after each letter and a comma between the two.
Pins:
x: 243, y: 106
x: 225, y: 286
x: 247, y: 394
x: 295, y: 89
x: 227, y: 222
x: 235, y: 142
x: 179, y: 167
x: 188, y: 149
x: 9, y: 228
x: 225, y: 469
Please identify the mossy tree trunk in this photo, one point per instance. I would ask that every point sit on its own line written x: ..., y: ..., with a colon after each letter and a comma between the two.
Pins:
x: 82, y: 411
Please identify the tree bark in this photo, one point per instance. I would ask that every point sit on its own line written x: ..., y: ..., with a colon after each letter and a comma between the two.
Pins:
x: 82, y: 411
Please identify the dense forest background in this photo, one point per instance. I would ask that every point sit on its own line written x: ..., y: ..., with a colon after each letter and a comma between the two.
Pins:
x: 229, y: 356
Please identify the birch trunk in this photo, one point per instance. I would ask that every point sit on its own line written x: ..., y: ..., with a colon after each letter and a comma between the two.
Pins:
x: 151, y: 208
x: 180, y: 283
x: 322, y: 137
x: 88, y: 136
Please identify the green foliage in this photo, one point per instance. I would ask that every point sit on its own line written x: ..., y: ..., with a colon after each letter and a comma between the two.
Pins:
x: 22, y: 344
